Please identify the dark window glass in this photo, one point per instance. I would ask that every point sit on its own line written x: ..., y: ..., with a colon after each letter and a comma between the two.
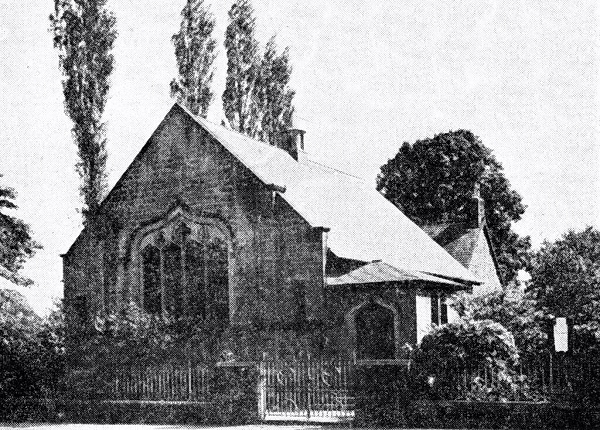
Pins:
x: 173, y: 279
x: 443, y: 310
x: 217, y: 279
x: 435, y: 308
x: 151, y: 279
x: 375, y: 332
x: 196, y: 280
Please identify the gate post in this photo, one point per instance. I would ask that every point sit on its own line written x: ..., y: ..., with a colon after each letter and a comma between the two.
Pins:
x: 262, y: 391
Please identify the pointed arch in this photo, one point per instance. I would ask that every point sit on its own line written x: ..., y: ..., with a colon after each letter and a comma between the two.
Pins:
x: 374, y: 328
x: 192, y: 253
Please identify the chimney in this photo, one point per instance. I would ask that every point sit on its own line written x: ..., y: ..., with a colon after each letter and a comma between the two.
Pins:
x: 476, y: 209
x: 292, y: 141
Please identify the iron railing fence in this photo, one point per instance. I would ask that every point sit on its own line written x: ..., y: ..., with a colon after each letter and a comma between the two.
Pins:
x: 541, y: 377
x: 325, y: 387
x: 169, y: 382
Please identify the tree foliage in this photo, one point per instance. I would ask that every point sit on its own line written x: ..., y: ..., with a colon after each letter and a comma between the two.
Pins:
x: 31, y: 350
x: 16, y: 243
x: 565, y: 282
x: 84, y: 34
x: 257, y: 100
x: 433, y: 180
x: 195, y: 54
x: 241, y: 47
x: 273, y: 95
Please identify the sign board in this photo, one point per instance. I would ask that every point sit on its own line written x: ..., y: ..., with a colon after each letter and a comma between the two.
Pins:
x: 561, y: 335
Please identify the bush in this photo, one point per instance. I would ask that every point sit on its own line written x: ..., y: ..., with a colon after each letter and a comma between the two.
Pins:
x: 448, y: 363
x: 512, y: 308
x: 31, y: 350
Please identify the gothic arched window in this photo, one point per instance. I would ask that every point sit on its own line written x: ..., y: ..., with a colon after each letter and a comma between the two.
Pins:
x: 185, y: 271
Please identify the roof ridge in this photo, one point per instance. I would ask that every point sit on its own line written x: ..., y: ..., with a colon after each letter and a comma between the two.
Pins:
x: 230, y: 130
x: 310, y: 160
x: 268, y: 145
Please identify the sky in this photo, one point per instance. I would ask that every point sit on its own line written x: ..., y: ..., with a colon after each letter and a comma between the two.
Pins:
x: 522, y: 75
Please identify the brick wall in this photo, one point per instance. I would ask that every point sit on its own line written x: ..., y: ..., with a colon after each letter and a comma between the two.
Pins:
x: 273, y: 248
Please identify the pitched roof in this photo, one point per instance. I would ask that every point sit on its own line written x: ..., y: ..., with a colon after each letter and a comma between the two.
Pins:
x: 379, y: 272
x: 459, y: 239
x: 363, y: 224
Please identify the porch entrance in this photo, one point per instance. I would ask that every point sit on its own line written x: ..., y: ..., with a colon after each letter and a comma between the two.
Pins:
x: 307, y: 390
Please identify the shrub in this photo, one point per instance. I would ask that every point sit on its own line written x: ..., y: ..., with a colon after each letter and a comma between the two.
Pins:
x: 451, y: 360
x: 31, y: 350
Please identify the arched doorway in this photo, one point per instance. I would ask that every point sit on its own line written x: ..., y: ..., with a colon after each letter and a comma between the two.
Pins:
x: 375, y: 334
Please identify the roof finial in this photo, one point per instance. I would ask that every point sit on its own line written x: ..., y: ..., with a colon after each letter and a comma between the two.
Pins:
x: 476, y: 212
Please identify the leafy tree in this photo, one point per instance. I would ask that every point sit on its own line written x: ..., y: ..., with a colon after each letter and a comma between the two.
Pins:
x: 16, y: 243
x: 84, y: 35
x: 18, y: 324
x: 565, y: 281
x: 195, y: 53
x: 273, y: 95
x: 241, y: 46
x: 433, y: 180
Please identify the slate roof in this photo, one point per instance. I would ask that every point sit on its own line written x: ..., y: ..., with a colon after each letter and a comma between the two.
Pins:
x: 363, y: 224
x: 379, y: 272
x: 459, y: 239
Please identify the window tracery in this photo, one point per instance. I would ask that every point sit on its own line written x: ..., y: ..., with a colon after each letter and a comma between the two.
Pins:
x: 184, y: 270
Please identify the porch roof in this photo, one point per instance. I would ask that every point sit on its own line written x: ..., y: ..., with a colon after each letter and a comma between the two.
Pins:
x: 379, y: 272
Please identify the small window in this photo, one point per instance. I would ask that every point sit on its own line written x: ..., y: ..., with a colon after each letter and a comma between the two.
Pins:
x: 443, y: 310
x: 435, y: 309
x: 439, y: 309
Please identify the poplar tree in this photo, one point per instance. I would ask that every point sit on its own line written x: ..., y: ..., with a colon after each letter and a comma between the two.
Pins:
x: 239, y: 105
x: 195, y: 54
x: 273, y: 95
x: 84, y: 34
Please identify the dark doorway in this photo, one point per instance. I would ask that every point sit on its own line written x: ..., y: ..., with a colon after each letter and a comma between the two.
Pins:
x: 375, y: 332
